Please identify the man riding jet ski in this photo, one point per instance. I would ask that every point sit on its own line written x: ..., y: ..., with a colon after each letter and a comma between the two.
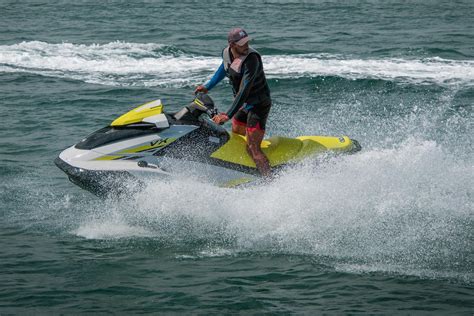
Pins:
x: 147, y: 143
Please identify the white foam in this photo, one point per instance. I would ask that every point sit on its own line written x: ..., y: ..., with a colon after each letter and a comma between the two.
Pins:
x: 208, y: 253
x: 110, y: 230
x: 120, y: 63
x: 346, y: 206
x: 428, y: 70
x: 394, y: 209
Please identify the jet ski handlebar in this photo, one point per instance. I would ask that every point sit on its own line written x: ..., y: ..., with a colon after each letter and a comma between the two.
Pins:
x: 212, y: 112
x: 202, y: 103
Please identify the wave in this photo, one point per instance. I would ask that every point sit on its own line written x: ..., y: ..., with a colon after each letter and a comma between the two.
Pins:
x: 404, y: 210
x: 148, y: 64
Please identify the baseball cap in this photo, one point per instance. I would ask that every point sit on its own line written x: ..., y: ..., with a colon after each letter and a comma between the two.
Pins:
x: 238, y: 36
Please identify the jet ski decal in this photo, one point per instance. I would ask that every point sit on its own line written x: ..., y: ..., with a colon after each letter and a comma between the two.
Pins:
x: 131, y: 152
x: 160, y: 143
x: 108, y: 158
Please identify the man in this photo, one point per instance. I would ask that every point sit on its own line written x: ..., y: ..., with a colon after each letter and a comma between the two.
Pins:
x: 249, y: 111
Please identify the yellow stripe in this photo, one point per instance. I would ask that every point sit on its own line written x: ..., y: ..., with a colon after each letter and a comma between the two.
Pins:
x: 199, y: 102
x: 108, y: 158
x: 159, y: 144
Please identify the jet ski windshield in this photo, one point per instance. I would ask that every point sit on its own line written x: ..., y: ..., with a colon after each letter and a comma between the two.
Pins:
x: 110, y: 134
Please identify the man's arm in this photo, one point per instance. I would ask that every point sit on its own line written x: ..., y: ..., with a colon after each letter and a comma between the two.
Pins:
x: 218, y: 76
x: 250, y: 72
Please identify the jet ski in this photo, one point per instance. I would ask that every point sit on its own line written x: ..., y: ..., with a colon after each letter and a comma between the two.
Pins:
x: 148, y: 143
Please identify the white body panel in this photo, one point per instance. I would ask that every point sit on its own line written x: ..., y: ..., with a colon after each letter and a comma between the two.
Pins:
x: 159, y: 120
x: 156, y: 169
x: 125, y: 144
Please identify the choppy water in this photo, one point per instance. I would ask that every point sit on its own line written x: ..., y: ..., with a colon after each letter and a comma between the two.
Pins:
x: 387, y: 230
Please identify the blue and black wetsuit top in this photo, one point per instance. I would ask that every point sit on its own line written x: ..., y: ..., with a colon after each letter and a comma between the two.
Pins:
x: 247, y: 79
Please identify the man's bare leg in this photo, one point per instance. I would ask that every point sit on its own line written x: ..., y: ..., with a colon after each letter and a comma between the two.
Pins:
x: 254, y: 141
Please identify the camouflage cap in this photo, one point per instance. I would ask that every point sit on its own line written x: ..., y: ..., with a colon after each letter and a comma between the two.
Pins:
x: 238, y: 36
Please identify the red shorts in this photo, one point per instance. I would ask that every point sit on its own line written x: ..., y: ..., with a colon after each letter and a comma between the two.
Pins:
x: 253, y: 117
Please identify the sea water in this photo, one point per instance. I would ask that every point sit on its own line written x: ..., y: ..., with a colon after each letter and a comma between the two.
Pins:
x: 386, y: 230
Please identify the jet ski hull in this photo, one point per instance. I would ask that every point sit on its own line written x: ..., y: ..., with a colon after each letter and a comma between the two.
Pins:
x: 147, y: 143
x: 121, y: 177
x: 103, y: 178
x: 100, y: 183
x: 118, y: 177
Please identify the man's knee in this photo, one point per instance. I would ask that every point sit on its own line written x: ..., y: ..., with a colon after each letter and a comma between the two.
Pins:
x: 238, y: 129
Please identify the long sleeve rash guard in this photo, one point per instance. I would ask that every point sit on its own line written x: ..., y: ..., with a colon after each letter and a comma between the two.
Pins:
x: 250, y: 68
x: 216, y: 78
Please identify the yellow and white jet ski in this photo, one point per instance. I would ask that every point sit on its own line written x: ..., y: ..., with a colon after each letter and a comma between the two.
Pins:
x: 147, y: 143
